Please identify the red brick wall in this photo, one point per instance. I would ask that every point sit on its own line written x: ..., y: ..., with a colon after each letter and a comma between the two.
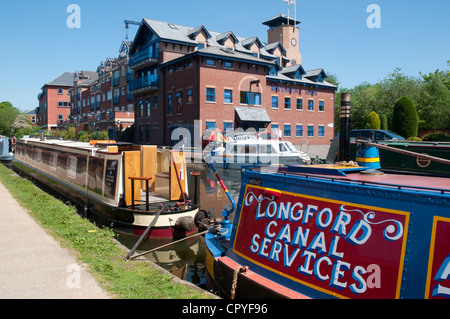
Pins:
x: 241, y: 77
x: 52, y: 97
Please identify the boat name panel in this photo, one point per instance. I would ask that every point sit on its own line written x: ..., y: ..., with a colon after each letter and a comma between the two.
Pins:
x: 342, y: 249
x: 438, y: 275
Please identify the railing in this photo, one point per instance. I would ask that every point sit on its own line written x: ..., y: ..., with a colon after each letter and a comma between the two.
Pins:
x: 148, y: 81
x: 146, y: 53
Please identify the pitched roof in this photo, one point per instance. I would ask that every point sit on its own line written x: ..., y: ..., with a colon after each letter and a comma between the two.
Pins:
x: 280, y: 19
x: 65, y: 79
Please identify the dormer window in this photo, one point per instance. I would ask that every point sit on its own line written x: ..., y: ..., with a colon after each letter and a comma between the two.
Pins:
x: 320, y: 79
x: 298, y: 75
x: 273, y: 71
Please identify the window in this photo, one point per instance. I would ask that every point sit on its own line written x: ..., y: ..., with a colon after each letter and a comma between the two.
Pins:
x: 310, y: 130
x: 60, y: 91
x: 275, y: 128
x: 287, y: 130
x: 287, y: 103
x: 65, y: 104
x: 250, y: 98
x: 228, y: 126
x: 169, y: 104
x: 299, y: 130
x: 299, y: 104
x: 210, y: 125
x: 179, y: 102
x: 60, y: 117
x: 298, y: 75
x: 320, y: 79
x: 211, y: 62
x: 210, y: 95
x: 190, y: 95
x: 71, y: 167
x: 201, y: 46
x: 228, y: 64
x: 148, y: 107
x: 228, y: 96
x: 321, y: 106
x: 274, y: 102
x: 155, y: 102
x: 310, y: 105
x: 273, y: 71
x: 321, y: 132
x: 141, y: 107
x: 116, y: 80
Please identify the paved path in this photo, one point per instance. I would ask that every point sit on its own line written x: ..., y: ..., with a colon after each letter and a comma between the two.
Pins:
x: 33, y: 265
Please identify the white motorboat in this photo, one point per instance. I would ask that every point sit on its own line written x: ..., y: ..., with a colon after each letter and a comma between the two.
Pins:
x: 253, y: 149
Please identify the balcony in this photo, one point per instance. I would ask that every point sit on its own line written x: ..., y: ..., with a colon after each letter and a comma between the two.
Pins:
x: 146, y: 57
x: 144, y: 84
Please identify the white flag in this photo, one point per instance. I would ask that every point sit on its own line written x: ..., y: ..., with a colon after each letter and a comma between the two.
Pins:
x: 293, y: 2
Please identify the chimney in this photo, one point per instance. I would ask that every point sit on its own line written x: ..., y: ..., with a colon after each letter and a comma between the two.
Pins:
x: 344, y: 125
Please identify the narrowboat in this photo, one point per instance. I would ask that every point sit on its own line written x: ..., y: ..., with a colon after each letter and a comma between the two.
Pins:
x: 6, y: 154
x: 394, y: 157
x: 342, y: 230
x: 123, y: 186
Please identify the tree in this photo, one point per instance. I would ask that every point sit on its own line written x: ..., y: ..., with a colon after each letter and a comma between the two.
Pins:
x: 405, y: 120
x: 8, y: 114
x: 373, y: 121
x: 384, y: 122
x: 433, y: 106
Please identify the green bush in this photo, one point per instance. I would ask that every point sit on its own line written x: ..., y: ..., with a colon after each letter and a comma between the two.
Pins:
x: 405, y: 121
x: 437, y: 137
x: 373, y: 121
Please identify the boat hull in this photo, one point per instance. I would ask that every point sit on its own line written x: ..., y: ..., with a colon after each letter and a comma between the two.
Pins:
x: 121, y: 220
x: 342, y: 235
x: 396, y: 162
x: 237, y: 161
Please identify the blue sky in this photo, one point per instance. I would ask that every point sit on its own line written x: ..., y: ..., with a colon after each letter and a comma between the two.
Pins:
x: 37, y: 46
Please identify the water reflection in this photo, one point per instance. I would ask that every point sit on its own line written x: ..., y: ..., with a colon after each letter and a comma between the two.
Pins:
x: 186, y: 260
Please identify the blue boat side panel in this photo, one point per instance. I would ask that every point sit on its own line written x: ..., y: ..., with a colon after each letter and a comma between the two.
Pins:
x: 333, y: 238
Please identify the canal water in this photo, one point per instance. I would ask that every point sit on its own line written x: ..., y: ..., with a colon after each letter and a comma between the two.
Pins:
x: 186, y: 260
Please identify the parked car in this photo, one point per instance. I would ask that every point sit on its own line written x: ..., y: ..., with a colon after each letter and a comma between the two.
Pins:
x: 377, y: 135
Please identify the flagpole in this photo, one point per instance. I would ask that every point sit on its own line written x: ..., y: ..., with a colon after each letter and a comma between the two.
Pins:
x: 289, y: 7
x: 295, y: 13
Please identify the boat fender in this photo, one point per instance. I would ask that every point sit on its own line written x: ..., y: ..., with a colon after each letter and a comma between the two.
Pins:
x: 185, y: 223
x: 202, y: 219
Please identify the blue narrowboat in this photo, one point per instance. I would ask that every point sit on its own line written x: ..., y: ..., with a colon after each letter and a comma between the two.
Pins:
x: 333, y: 231
x: 6, y: 154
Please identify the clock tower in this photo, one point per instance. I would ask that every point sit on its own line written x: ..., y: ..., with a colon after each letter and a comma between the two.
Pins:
x: 284, y: 30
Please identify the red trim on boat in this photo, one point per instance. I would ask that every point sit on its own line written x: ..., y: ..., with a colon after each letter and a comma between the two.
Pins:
x: 288, y: 293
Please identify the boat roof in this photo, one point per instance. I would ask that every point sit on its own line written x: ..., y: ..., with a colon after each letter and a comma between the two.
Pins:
x: 66, y: 143
x: 363, y: 176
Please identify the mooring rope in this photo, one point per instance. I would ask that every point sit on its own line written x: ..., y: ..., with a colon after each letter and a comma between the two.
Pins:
x: 235, y: 280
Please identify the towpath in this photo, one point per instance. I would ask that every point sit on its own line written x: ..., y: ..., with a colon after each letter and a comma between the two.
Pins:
x: 33, y: 265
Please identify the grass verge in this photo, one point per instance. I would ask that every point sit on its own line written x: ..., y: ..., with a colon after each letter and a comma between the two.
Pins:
x: 94, y: 246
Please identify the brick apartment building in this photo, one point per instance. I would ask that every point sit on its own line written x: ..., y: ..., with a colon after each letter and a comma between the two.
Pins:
x: 54, y: 102
x: 100, y: 100
x: 183, y: 75
x: 96, y: 100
